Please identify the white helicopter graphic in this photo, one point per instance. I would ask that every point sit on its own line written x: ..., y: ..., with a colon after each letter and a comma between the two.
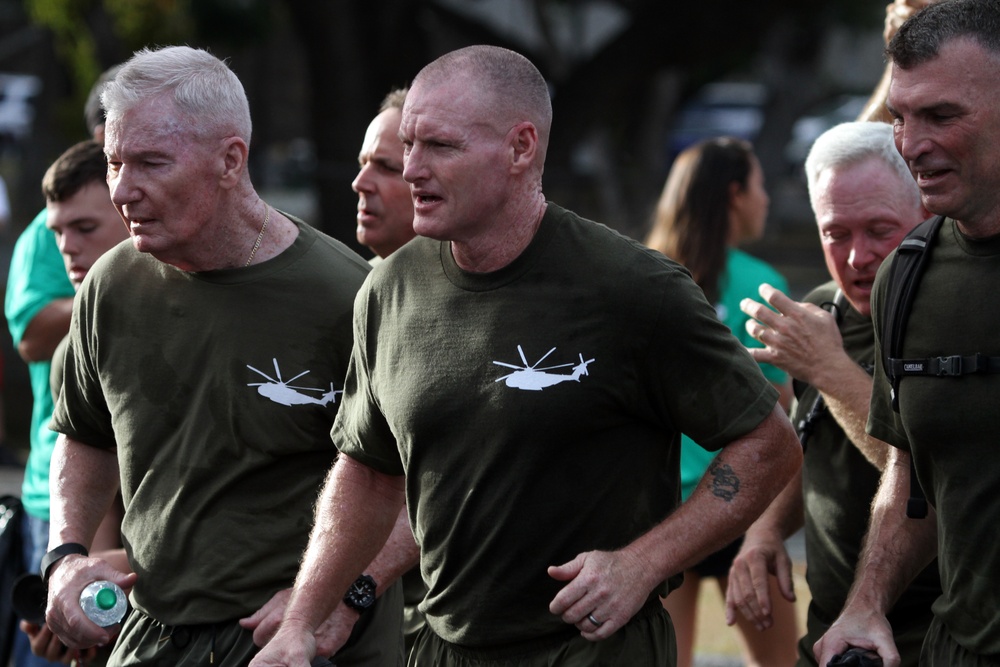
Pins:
x: 531, y: 378
x: 281, y: 391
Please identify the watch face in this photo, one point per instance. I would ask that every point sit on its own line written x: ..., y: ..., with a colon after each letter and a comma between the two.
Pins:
x: 361, y: 594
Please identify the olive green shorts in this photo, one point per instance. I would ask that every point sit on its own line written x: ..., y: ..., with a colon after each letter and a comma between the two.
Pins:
x: 376, y: 641
x: 647, y: 640
x: 941, y: 650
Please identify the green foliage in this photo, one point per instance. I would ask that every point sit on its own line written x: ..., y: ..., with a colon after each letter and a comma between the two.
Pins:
x: 74, y: 45
x: 142, y: 23
x: 73, y: 41
x: 136, y: 24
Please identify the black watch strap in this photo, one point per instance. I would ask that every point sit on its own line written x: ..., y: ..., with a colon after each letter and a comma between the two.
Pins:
x: 54, y: 556
x: 361, y: 594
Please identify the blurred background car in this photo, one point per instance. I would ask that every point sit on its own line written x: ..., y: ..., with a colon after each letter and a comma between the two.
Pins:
x: 841, y: 109
x: 720, y: 108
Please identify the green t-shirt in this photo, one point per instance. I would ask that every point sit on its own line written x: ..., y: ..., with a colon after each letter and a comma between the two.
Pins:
x: 950, y: 424
x: 742, y: 276
x: 219, y: 390
x: 838, y: 484
x: 536, y: 410
x: 37, y: 278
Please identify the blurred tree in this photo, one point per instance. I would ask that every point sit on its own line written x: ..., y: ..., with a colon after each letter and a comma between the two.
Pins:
x: 354, y: 53
x: 76, y: 45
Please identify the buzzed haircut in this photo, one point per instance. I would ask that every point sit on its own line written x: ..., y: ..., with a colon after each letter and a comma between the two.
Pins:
x: 511, y: 77
x: 82, y: 164
x: 920, y: 38
x: 394, y: 100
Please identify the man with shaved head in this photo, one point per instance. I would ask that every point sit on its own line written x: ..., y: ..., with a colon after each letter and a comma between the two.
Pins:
x: 521, y: 376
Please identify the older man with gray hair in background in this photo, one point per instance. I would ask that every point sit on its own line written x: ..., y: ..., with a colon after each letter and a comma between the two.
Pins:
x: 865, y: 202
x: 385, y: 209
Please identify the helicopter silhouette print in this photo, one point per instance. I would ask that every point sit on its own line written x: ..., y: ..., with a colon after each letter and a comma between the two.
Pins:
x: 283, y: 392
x: 531, y: 378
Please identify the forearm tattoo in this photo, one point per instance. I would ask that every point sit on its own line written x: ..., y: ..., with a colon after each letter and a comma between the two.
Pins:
x: 725, y: 483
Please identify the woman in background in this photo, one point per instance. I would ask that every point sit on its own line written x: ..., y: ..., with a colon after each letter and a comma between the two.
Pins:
x: 713, y: 201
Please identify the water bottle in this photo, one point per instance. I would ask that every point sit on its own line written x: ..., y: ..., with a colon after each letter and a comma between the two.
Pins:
x: 104, y: 603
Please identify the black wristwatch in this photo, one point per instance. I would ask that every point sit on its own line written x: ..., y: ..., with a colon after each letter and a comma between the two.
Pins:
x: 361, y: 594
x: 57, y: 554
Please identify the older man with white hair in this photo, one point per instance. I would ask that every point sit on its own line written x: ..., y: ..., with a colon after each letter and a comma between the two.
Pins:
x: 865, y: 201
x: 203, y: 373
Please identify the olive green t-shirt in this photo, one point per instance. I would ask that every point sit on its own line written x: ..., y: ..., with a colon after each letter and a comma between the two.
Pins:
x: 951, y: 426
x: 218, y: 390
x: 536, y: 410
x: 838, y: 484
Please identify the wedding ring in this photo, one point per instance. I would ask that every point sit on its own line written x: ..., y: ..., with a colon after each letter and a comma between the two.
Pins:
x: 590, y: 617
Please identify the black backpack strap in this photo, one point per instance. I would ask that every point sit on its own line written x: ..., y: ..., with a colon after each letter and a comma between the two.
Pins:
x: 952, y: 366
x: 904, y: 277
x: 807, y: 424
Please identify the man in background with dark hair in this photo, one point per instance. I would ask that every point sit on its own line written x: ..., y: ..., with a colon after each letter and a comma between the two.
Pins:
x: 385, y: 224
x: 385, y: 209
x: 944, y: 98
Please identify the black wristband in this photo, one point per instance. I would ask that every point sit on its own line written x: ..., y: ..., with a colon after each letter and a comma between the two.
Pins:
x: 54, y: 556
x: 361, y: 595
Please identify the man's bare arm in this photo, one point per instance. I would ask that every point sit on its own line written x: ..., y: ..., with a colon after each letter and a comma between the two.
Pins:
x: 46, y: 329
x: 399, y: 554
x: 743, y: 479
x: 762, y: 555
x: 739, y: 485
x: 803, y: 340
x: 83, y: 483
x: 358, y: 510
x: 848, y: 398
x: 895, y: 551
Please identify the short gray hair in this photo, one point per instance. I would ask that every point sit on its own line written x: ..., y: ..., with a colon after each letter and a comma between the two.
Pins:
x: 203, y: 87
x: 848, y: 144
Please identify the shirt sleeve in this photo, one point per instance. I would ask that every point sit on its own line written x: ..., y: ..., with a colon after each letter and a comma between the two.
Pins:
x: 701, y: 379
x: 360, y: 429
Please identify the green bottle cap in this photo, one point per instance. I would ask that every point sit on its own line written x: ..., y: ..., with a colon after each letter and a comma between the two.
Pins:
x: 106, y: 599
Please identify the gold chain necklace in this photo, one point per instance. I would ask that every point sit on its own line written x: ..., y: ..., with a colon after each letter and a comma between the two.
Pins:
x: 267, y: 216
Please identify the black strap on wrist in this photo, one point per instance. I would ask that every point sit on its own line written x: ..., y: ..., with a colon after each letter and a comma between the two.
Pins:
x: 361, y: 595
x: 57, y: 554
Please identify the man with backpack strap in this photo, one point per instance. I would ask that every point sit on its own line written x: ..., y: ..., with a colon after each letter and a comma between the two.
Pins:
x: 865, y: 202
x: 945, y: 101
